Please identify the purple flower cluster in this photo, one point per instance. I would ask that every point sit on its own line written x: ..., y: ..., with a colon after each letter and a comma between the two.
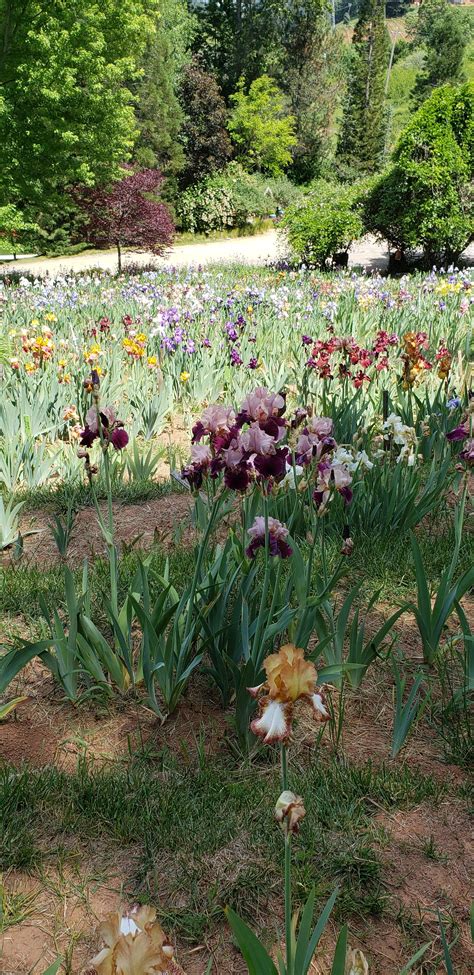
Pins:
x: 250, y: 447
x: 464, y: 434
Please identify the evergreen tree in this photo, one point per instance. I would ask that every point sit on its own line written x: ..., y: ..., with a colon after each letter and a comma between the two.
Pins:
x: 362, y: 139
x: 309, y: 69
x: 158, y: 110
x: 444, y: 33
x: 204, y: 133
x: 234, y: 38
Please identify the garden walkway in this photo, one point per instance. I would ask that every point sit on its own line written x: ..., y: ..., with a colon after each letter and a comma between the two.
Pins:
x: 258, y: 250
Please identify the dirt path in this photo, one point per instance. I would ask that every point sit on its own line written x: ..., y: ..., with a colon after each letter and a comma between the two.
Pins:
x: 260, y: 249
x: 367, y: 253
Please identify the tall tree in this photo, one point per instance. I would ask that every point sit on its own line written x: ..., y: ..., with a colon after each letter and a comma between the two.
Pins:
x: 158, y: 110
x: 234, y: 38
x: 362, y: 138
x: 309, y: 69
x: 444, y: 33
x: 65, y: 108
x: 204, y: 135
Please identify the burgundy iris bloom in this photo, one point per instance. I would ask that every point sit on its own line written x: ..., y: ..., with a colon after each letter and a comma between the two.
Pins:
x: 237, y: 478
x: 88, y: 436
x: 198, y: 432
x: 459, y: 433
x: 272, y: 465
x: 119, y: 438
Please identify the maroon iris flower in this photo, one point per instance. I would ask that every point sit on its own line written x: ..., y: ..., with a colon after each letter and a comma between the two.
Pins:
x: 272, y: 465
x: 237, y: 478
x: 119, y: 438
x: 459, y: 433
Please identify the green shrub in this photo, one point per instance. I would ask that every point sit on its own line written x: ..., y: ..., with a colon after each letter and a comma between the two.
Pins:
x: 425, y: 199
x: 232, y: 198
x: 326, y: 221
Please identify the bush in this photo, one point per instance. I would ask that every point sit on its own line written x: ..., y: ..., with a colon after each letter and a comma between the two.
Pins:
x: 425, y: 200
x: 326, y: 221
x: 232, y: 198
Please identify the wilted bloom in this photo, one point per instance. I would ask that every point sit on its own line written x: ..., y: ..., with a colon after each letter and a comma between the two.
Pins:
x: 467, y: 453
x: 444, y: 360
x: 358, y: 964
x: 290, y: 678
x: 289, y: 811
x: 347, y: 547
x: 277, y: 535
x: 135, y: 944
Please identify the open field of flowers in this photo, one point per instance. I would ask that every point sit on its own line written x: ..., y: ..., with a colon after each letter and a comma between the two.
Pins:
x: 236, y: 660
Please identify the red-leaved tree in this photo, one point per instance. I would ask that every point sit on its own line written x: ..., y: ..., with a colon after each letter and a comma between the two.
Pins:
x: 121, y: 214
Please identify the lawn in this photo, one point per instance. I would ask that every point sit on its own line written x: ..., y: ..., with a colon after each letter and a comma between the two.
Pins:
x: 199, y: 469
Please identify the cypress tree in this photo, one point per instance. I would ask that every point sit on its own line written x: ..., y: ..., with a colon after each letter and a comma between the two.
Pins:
x: 362, y: 138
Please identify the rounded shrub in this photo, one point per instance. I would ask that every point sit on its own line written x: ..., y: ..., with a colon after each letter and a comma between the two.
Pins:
x: 324, y: 223
x: 425, y: 199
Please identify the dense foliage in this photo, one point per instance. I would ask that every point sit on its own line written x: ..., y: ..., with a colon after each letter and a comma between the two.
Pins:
x: 363, y: 132
x: 324, y: 223
x: 425, y: 199
x: 65, y: 109
x: 444, y: 35
x: 233, y: 198
x: 204, y: 131
x: 124, y: 215
x: 280, y: 90
x: 261, y: 129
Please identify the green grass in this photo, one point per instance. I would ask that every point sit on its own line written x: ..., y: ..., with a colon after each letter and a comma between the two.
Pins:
x: 57, y: 498
x: 205, y: 833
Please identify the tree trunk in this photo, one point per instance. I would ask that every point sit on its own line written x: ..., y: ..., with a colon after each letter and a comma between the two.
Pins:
x: 119, y: 257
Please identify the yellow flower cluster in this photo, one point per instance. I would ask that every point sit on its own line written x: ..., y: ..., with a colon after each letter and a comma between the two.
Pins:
x: 135, y: 346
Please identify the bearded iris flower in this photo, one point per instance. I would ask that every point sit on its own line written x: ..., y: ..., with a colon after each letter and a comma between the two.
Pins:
x: 134, y: 943
x: 277, y: 535
x: 289, y: 678
x: 111, y: 428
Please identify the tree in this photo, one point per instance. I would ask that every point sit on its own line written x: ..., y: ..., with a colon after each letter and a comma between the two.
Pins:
x: 158, y: 110
x: 235, y: 38
x: 204, y: 133
x: 122, y: 215
x: 309, y: 69
x: 15, y: 229
x: 425, y: 199
x: 444, y: 33
x: 362, y: 139
x: 324, y: 222
x: 261, y: 127
x: 65, y: 108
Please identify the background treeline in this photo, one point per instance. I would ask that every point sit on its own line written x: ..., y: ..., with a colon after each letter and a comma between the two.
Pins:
x: 247, y: 108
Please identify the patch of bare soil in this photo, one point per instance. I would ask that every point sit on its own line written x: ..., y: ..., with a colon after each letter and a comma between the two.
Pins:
x: 162, y: 519
x: 64, y: 912
x: 429, y: 862
x: 45, y: 729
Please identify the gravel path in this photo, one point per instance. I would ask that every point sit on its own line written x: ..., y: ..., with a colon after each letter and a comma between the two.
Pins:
x: 260, y: 249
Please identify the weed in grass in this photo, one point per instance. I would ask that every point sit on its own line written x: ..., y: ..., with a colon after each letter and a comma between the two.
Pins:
x: 431, y: 851
x: 15, y: 906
